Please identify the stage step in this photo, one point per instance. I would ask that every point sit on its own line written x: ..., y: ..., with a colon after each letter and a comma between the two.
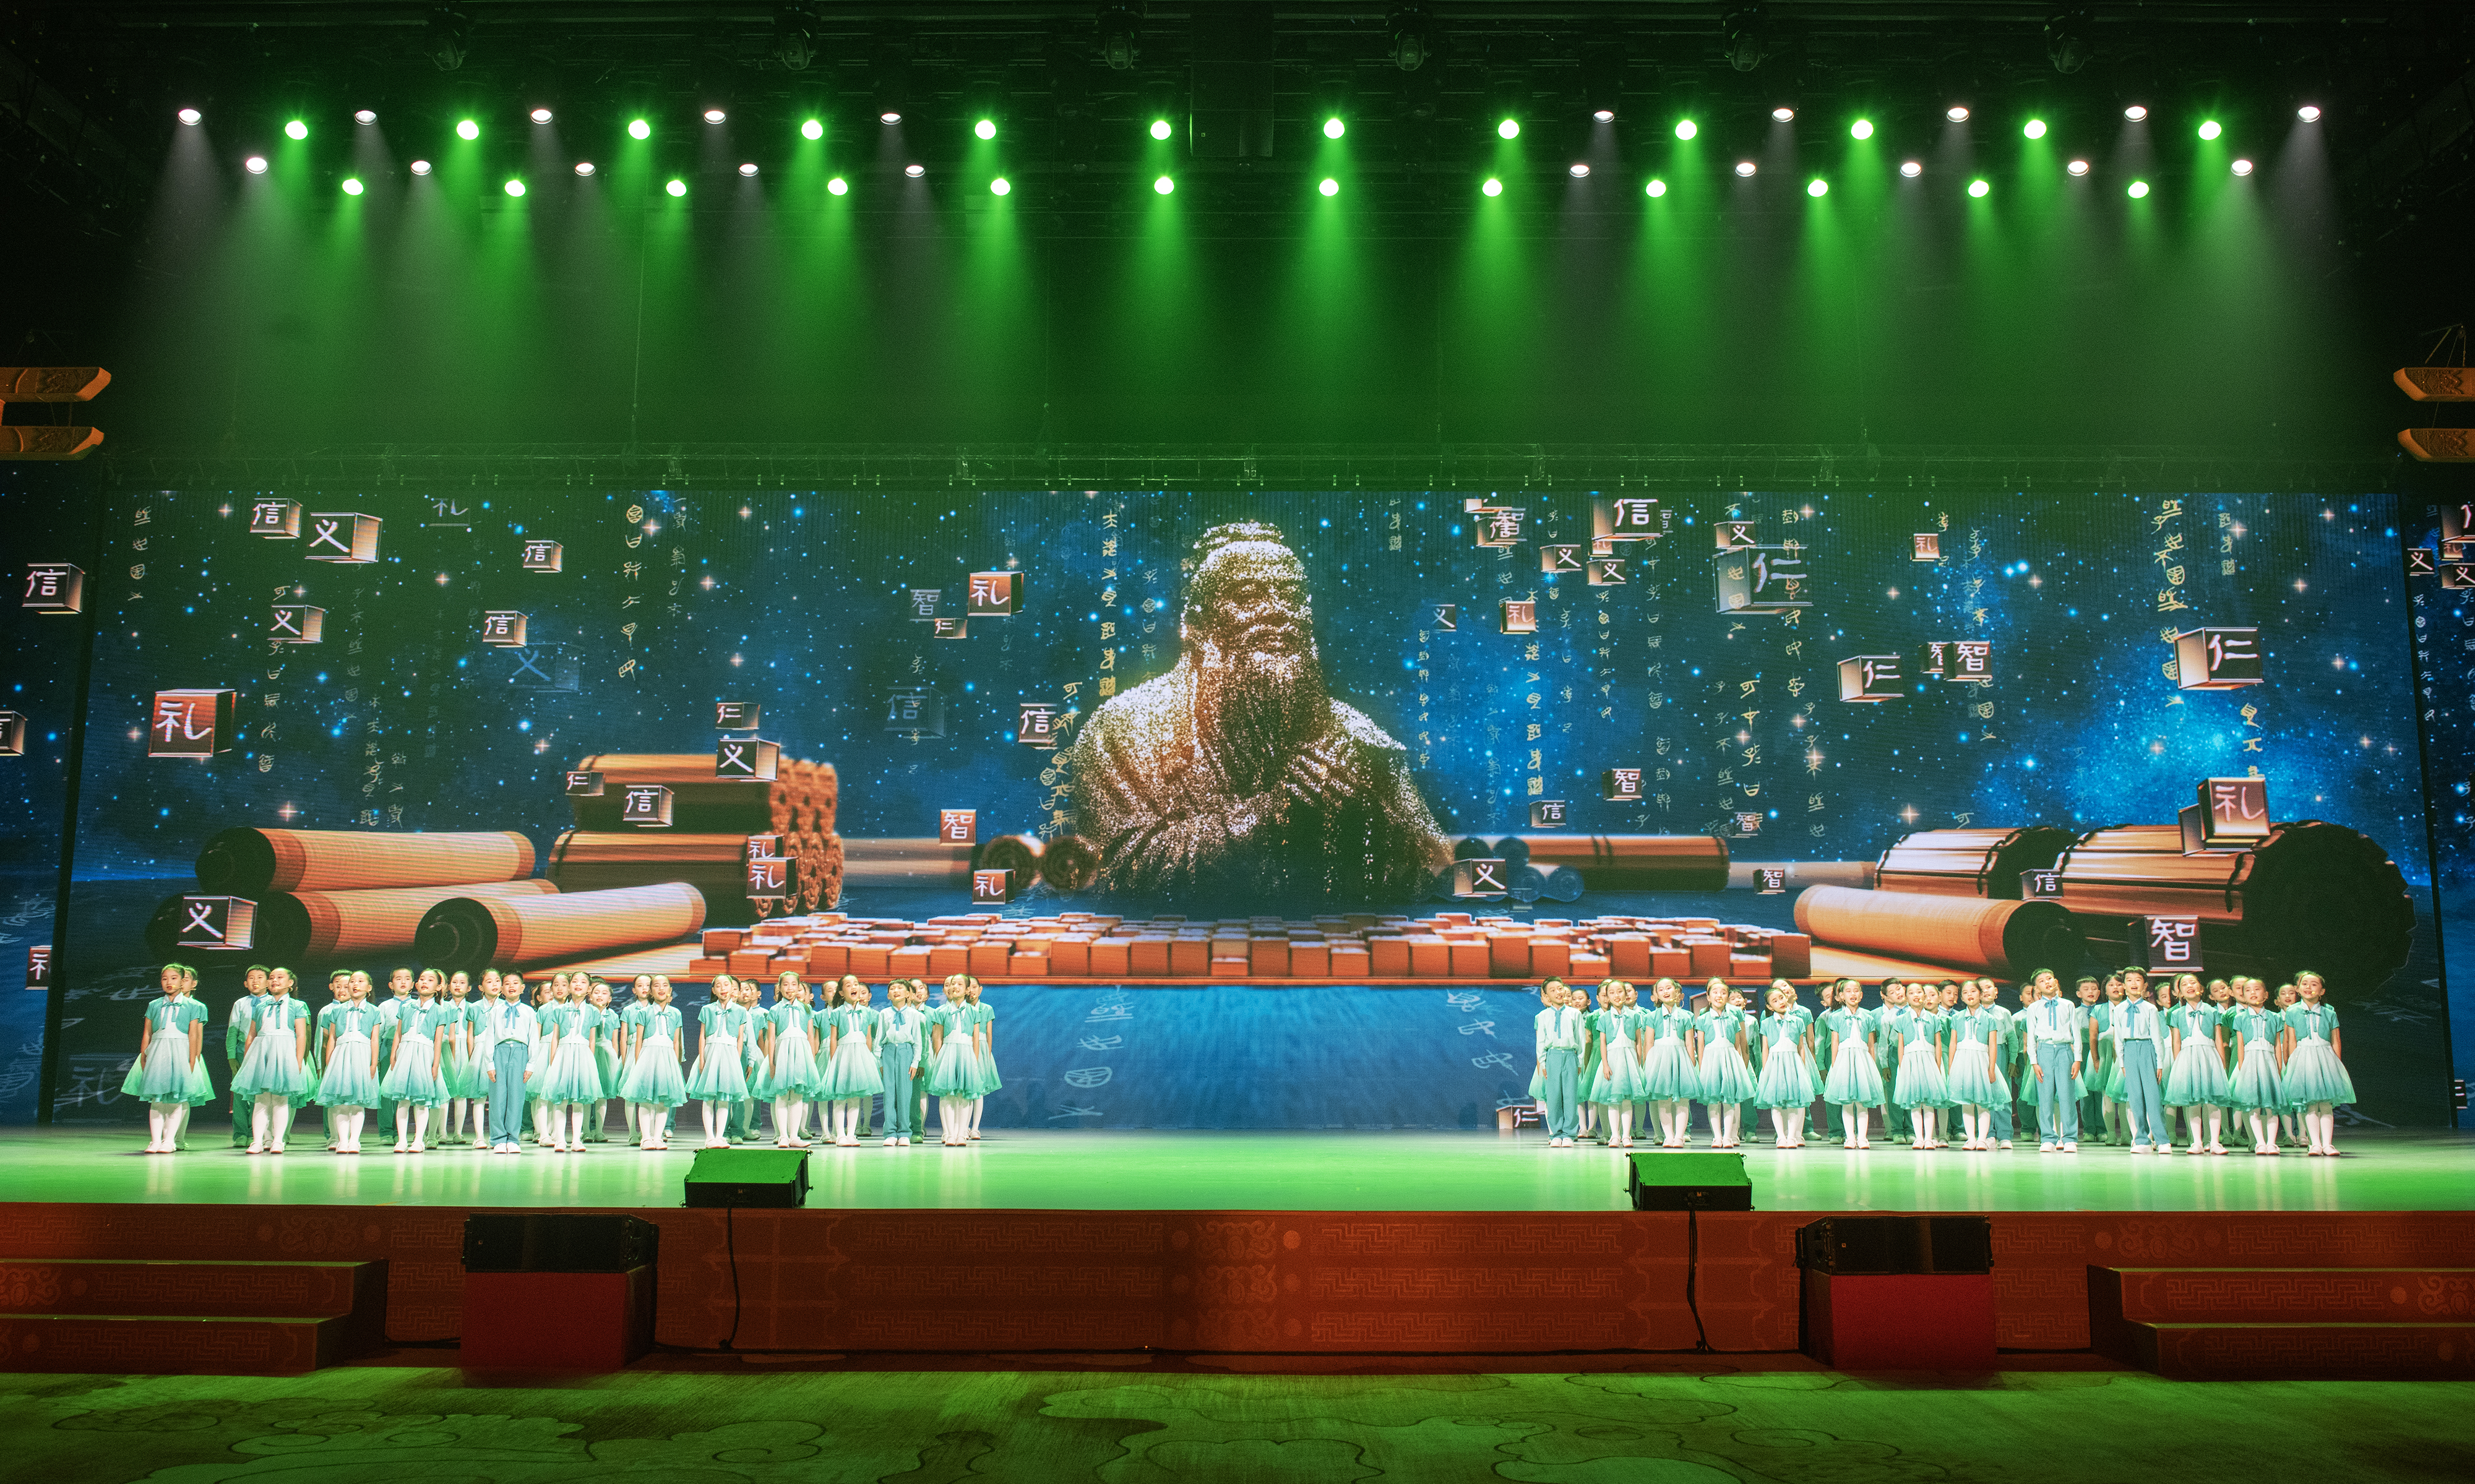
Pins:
x: 2199, y: 1324
x: 176, y: 1318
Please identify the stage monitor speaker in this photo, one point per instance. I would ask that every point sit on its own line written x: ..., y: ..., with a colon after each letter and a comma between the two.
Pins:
x: 749, y: 1177
x: 1690, y: 1183
x: 512, y: 1242
x: 1873, y: 1245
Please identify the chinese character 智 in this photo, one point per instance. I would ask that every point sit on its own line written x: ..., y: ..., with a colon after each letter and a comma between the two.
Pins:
x: 1621, y: 785
x: 958, y: 826
x: 190, y: 723
x: 1239, y: 768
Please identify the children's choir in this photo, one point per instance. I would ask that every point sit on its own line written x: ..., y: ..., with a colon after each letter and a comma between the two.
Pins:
x: 447, y: 1066
x: 2120, y: 1056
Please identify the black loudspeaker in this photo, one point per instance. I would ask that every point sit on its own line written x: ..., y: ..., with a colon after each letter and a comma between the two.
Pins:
x: 749, y: 1177
x: 520, y: 1243
x: 1690, y: 1183
x: 1873, y: 1245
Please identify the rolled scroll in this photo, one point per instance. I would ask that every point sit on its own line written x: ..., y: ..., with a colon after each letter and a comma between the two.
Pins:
x: 801, y: 797
x: 1636, y: 862
x: 1070, y: 863
x: 905, y: 862
x: 470, y: 932
x: 1973, y: 934
x: 1969, y: 863
x: 301, y: 929
x: 252, y: 862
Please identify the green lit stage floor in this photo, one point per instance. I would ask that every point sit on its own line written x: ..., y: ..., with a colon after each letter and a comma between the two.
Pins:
x: 1013, y: 1169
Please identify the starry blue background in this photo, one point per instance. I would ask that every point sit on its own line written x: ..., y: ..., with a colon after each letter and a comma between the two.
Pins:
x: 799, y: 600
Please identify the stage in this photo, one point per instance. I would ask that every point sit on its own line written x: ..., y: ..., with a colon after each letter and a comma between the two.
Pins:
x: 1016, y: 1169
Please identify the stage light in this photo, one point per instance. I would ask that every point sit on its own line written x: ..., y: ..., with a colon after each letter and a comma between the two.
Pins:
x: 1160, y: 128
x: 468, y: 129
x: 676, y: 187
x: 1492, y: 188
x: 2136, y: 113
x: 2034, y: 129
x: 2242, y: 167
x: 352, y: 187
x: 1334, y: 128
x: 2138, y: 190
x: 812, y: 129
x: 1510, y: 128
x: 748, y: 168
x: 541, y: 115
x: 256, y: 164
x: 915, y: 171
x: 1862, y: 129
x: 714, y: 115
x: 1329, y: 186
x: 838, y: 186
x: 1000, y: 186
x: 1911, y: 168
x: 985, y: 129
x: 190, y: 116
x: 1817, y: 187
x: 2310, y: 112
x: 1957, y: 114
x: 1655, y: 187
x: 1603, y: 116
x: 889, y: 117
x: 1578, y: 170
x: 1978, y: 189
x: 515, y: 188
x: 638, y: 129
x: 2077, y: 167
x: 364, y: 116
x: 2209, y: 128
x: 1782, y: 114
x: 1163, y: 186
x: 1744, y: 167
x: 421, y: 167
x: 1685, y: 129
x: 296, y: 129
x: 584, y: 167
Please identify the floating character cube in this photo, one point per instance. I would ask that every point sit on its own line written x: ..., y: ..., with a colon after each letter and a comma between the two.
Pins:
x: 916, y: 713
x: 544, y: 555
x: 646, y: 805
x: 190, y: 723
x: 752, y: 759
x: 2458, y: 575
x: 1039, y: 724
x: 504, y: 627
x: 1484, y: 876
x: 949, y: 628
x: 2173, y: 944
x: 54, y: 587
x: 2045, y: 885
x: 2217, y: 659
x: 2422, y: 562
x: 39, y: 966
x: 1519, y: 616
x: 1448, y: 616
x: 1609, y: 572
x: 924, y: 603
x: 584, y: 784
x: 769, y: 879
x: 2234, y: 812
x: 995, y: 594
x: 2457, y: 550
x: 1749, y: 822
x: 1769, y: 880
x: 1620, y: 785
x: 276, y: 520
x: 217, y: 922
x: 1732, y: 535
x: 342, y: 536
x: 1971, y: 662
x: 296, y: 623
x: 1548, y: 814
x: 737, y: 716
x: 1762, y: 580
x: 1500, y: 525
x: 1556, y: 559
x: 958, y: 826
x: 1871, y: 678
x: 12, y: 734
x: 1626, y: 518
x: 1925, y: 546
x: 991, y: 888
x: 2457, y: 519
x: 759, y: 846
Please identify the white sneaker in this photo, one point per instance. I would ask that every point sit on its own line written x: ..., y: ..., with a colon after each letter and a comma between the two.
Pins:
x: 2070, y: 1148
x: 2006, y: 1144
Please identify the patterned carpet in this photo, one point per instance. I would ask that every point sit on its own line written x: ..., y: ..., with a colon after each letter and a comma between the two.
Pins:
x: 407, y: 1426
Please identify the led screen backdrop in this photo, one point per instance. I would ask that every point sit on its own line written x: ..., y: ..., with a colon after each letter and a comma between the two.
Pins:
x: 1369, y: 679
